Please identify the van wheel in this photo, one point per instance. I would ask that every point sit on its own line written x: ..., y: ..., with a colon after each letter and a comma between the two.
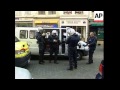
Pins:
x: 79, y: 55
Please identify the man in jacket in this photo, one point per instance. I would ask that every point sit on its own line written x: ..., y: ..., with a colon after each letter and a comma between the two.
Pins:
x: 92, y: 46
x: 41, y: 44
x: 54, y: 45
x: 72, y: 42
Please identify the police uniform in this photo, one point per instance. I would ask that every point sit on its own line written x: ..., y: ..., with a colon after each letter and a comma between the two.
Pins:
x: 54, y: 47
x: 72, y: 42
x: 41, y: 45
x: 92, y: 46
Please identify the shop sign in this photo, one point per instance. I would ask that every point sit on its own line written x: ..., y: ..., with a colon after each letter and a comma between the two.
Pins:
x: 74, y: 22
x: 48, y: 26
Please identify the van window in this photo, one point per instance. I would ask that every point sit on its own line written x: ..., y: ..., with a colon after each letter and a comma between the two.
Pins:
x: 16, y: 39
x: 32, y: 34
x: 23, y: 34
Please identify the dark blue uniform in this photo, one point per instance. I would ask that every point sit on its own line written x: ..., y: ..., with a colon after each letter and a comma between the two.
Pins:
x: 92, y: 41
x: 54, y: 47
x: 41, y: 43
x: 72, y: 42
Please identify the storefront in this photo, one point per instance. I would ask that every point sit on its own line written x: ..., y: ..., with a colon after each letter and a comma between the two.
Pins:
x: 79, y: 24
x: 97, y: 25
x: 46, y: 23
x: 98, y: 28
x: 22, y: 22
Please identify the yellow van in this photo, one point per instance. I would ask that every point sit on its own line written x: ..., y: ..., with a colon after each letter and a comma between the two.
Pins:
x: 22, y: 53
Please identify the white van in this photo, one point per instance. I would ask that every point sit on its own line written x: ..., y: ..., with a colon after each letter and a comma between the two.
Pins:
x: 29, y: 34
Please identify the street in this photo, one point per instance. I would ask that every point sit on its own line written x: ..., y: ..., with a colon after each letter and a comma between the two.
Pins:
x: 59, y: 71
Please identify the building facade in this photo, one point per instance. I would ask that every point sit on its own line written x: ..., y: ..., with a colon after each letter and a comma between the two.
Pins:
x: 77, y: 20
x: 46, y: 19
x: 24, y: 18
x: 97, y: 27
x: 81, y: 21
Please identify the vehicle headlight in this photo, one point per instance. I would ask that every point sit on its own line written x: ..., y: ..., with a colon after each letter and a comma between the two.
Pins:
x: 19, y: 51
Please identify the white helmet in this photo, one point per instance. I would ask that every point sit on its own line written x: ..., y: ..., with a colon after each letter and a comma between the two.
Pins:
x: 54, y: 31
x: 72, y: 31
x: 68, y: 30
x: 40, y: 28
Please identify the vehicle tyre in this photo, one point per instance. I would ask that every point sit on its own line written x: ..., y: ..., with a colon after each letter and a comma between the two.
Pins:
x: 79, y: 55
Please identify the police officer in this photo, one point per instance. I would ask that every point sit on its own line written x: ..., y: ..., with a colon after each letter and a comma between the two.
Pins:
x: 40, y: 36
x: 72, y: 42
x: 54, y: 45
x: 92, y: 46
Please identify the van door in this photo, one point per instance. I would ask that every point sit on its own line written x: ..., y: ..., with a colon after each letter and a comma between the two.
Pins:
x: 63, y: 39
x: 33, y: 42
x: 22, y: 35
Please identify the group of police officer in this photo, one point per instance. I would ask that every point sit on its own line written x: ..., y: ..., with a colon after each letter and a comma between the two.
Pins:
x: 72, y: 42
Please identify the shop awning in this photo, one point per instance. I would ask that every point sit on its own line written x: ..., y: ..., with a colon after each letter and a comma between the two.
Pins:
x: 96, y: 24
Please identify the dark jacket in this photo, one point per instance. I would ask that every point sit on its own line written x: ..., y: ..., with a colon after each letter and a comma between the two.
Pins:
x: 92, y: 41
x: 40, y: 41
x: 52, y: 44
x: 73, y: 40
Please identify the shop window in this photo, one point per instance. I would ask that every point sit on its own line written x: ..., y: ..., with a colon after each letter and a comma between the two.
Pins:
x: 24, y: 24
x: 32, y: 34
x: 27, y: 12
x: 41, y: 12
x: 51, y: 12
x: 78, y: 12
x: 23, y: 34
x: 67, y: 12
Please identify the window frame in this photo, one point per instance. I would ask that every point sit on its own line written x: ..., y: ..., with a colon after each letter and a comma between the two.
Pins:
x: 78, y: 12
x: 25, y: 36
x: 27, y: 12
x: 16, y: 39
x: 41, y: 13
x: 52, y: 12
x: 34, y: 33
x: 67, y: 12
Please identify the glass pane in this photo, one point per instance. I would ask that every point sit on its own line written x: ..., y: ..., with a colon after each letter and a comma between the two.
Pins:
x: 23, y: 34
x: 32, y: 34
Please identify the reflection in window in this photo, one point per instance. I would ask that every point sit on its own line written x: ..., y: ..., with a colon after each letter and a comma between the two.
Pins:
x: 23, y: 34
x: 32, y: 34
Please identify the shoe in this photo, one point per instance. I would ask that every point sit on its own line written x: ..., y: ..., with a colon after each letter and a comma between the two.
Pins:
x: 56, y: 62
x: 49, y: 61
x: 71, y: 69
x: 41, y: 63
x: 88, y: 63
x: 75, y: 67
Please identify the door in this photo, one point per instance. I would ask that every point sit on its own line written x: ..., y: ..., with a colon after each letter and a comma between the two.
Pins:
x: 100, y: 35
x: 64, y: 46
x: 32, y: 41
x: 63, y: 39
